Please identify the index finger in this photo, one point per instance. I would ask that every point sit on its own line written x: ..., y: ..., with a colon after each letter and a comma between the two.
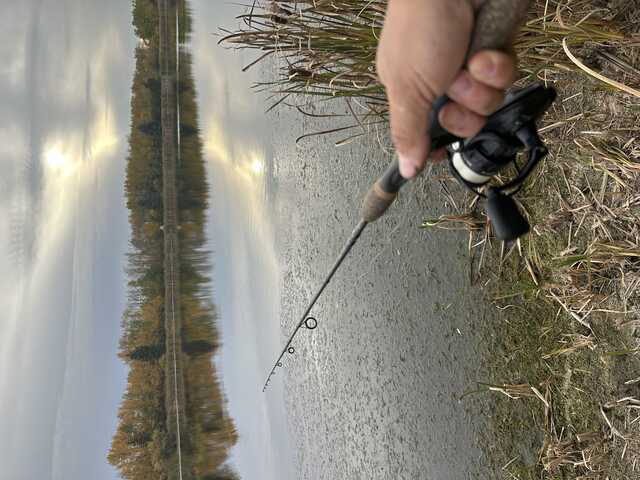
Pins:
x: 409, y: 131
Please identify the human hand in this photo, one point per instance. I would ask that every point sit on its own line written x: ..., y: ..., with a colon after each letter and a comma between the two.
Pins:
x: 421, y: 56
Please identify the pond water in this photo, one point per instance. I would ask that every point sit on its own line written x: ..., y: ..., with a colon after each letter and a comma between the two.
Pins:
x: 373, y: 392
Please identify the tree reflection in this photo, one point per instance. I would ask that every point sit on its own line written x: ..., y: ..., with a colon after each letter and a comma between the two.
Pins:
x: 143, y: 447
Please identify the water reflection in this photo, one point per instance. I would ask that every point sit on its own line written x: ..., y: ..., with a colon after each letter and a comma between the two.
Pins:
x: 247, y: 163
x: 55, y: 159
x: 241, y: 162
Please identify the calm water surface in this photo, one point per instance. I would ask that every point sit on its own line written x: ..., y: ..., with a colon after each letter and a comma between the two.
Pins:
x: 373, y: 392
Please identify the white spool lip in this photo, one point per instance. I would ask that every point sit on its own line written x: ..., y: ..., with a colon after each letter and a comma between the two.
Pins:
x: 465, y: 172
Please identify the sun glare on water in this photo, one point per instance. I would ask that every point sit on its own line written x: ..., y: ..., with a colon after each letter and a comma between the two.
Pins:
x: 257, y: 166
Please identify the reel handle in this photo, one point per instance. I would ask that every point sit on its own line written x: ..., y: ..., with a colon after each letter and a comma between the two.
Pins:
x: 497, y: 23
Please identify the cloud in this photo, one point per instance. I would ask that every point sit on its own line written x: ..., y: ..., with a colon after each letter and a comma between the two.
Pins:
x: 64, y: 111
x: 64, y: 115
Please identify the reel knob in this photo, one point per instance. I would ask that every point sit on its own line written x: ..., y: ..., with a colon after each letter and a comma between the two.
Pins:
x: 508, y: 223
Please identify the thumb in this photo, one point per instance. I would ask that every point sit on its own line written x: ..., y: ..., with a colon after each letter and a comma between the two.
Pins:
x: 409, y: 131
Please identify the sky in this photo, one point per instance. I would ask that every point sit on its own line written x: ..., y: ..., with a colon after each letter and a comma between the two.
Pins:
x: 65, y: 74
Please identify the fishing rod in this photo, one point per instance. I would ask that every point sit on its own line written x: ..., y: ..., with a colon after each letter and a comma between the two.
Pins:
x: 474, y: 162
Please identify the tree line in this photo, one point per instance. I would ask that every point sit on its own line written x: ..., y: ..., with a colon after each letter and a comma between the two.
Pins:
x: 141, y: 449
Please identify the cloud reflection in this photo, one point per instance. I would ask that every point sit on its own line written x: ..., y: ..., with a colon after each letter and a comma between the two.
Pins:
x: 244, y: 164
x: 237, y: 145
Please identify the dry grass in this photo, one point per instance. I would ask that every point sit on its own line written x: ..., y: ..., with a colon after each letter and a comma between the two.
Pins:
x: 613, y: 449
x: 569, y: 293
x: 327, y: 48
x: 581, y: 264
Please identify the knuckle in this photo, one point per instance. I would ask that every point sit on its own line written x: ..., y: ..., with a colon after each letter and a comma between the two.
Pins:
x: 490, y: 104
x: 461, y: 121
x: 506, y: 71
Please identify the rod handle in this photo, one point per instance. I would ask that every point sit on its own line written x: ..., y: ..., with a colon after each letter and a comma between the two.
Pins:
x: 497, y: 24
x: 383, y: 193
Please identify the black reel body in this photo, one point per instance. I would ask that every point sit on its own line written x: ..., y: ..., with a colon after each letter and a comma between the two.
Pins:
x: 509, y: 131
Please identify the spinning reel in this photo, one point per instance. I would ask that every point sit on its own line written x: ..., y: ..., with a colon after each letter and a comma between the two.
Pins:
x: 476, y: 161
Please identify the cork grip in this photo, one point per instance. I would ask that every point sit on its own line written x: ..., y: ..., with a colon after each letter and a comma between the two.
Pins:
x: 376, y: 203
x: 497, y: 23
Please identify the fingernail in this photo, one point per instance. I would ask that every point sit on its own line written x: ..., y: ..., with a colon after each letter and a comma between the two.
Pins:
x: 484, y: 66
x: 462, y: 85
x: 453, y: 117
x: 408, y: 168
